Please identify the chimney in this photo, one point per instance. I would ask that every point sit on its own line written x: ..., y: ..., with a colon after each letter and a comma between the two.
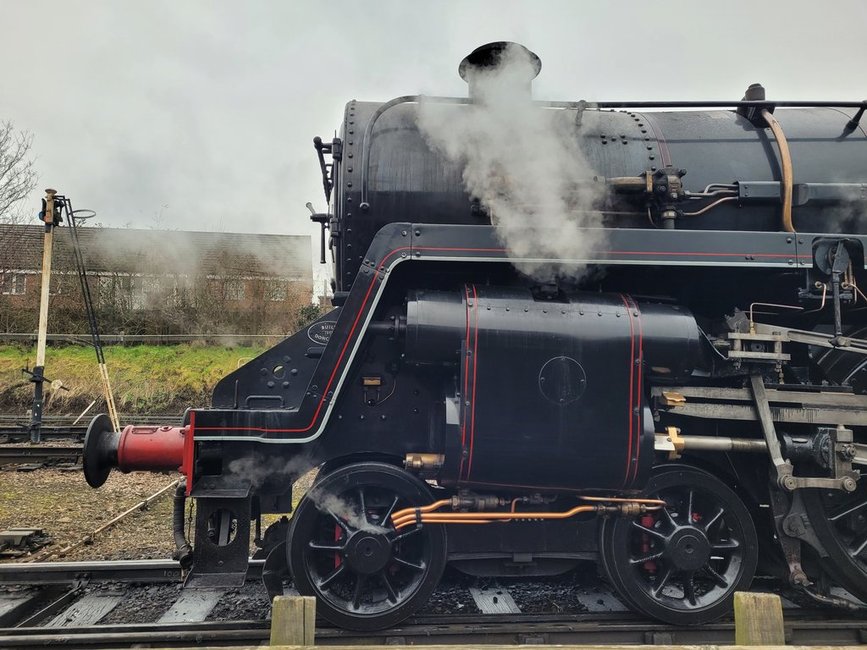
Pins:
x: 488, y: 57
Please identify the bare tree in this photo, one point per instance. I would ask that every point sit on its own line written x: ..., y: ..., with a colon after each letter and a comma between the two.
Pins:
x: 17, y: 176
x: 17, y: 179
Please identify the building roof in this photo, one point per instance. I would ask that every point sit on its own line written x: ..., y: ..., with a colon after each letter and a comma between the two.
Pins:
x: 160, y: 252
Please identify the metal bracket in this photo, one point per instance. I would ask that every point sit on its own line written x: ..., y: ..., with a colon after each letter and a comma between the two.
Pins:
x: 791, y: 335
x: 791, y: 546
x: 842, y: 451
x: 221, y: 548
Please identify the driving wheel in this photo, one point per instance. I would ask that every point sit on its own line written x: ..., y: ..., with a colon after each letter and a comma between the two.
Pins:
x: 682, y: 563
x: 344, y: 550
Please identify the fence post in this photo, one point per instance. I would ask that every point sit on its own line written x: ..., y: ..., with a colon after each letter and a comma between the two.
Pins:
x: 293, y: 620
x: 758, y: 619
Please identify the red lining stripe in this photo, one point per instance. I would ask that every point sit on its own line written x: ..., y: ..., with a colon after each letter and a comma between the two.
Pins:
x: 631, y: 387
x: 640, y: 379
x: 466, y: 380
x: 327, y: 386
x: 475, y: 365
x: 434, y: 248
x: 612, y: 252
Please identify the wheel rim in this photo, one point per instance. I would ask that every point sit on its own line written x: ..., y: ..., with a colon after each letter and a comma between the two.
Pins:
x: 365, y: 572
x: 683, y: 563
x: 839, y: 518
x: 689, y: 554
x: 840, y: 522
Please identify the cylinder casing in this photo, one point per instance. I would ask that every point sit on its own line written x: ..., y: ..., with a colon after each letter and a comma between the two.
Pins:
x: 551, y: 393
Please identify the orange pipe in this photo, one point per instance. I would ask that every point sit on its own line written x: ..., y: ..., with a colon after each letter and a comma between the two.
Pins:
x: 425, y: 514
x: 472, y: 517
x: 653, y: 502
x: 428, y: 508
x: 786, y: 165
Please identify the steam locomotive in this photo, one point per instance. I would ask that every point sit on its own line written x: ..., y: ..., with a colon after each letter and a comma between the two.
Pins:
x: 683, y: 402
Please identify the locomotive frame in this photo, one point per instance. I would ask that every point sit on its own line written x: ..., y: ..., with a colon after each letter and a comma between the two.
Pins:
x: 654, y: 418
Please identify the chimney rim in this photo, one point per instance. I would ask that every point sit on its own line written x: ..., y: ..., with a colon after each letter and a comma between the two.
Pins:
x: 485, y: 55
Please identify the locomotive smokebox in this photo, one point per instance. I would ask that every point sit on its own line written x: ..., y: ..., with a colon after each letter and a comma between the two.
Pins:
x: 136, y: 448
x: 490, y: 59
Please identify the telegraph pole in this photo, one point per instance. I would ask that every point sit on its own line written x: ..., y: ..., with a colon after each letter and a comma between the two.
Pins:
x: 51, y: 208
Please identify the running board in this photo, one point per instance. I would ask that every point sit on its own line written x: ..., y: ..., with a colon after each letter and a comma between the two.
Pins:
x: 789, y: 407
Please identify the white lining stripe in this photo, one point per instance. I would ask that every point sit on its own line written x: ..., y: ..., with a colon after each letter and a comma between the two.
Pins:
x: 398, y: 260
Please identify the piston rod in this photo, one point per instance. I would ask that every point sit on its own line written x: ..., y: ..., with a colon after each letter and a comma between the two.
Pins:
x: 675, y: 444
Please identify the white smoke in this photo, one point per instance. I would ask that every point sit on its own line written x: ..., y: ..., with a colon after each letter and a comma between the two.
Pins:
x: 523, y: 164
x: 260, y: 468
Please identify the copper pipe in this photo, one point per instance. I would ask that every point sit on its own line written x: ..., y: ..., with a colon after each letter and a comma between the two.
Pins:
x: 710, y: 206
x: 653, y: 502
x: 449, y: 521
x: 469, y: 517
x: 786, y: 164
x: 428, y: 508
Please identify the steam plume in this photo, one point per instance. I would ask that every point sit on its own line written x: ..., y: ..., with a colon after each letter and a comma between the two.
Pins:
x: 523, y: 164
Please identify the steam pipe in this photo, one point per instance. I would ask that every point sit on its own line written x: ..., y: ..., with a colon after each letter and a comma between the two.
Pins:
x: 183, y: 551
x: 786, y: 163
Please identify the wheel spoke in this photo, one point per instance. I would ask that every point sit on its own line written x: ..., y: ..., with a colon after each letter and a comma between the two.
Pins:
x: 646, y: 558
x: 649, y: 531
x: 316, y: 546
x: 689, y: 589
x: 356, y: 594
x: 385, y: 520
x: 392, y: 594
x: 407, y: 563
x: 339, y: 521
x: 858, y: 545
x: 325, y: 583
x: 363, y: 504
x: 663, y: 580
x: 847, y: 511
x: 715, y: 576
x: 668, y: 517
x: 712, y: 520
x: 689, y: 506
x: 727, y: 545
x: 402, y: 536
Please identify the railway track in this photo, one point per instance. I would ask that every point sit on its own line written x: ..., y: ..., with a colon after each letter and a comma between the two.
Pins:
x: 16, y: 428
x: 39, y: 454
x: 592, y: 629
x: 119, y: 571
x: 51, y: 611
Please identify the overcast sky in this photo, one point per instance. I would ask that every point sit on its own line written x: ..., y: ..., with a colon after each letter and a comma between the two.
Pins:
x: 200, y: 115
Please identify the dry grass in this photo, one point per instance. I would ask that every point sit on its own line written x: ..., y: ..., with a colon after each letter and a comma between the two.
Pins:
x: 62, y: 504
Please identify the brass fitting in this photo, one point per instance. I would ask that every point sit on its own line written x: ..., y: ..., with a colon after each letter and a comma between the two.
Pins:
x: 425, y: 465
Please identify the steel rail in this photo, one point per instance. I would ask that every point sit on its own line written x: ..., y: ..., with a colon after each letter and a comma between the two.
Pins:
x: 593, y: 629
x: 58, y: 573
x: 14, y: 427
x: 10, y: 455
x: 68, y: 420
